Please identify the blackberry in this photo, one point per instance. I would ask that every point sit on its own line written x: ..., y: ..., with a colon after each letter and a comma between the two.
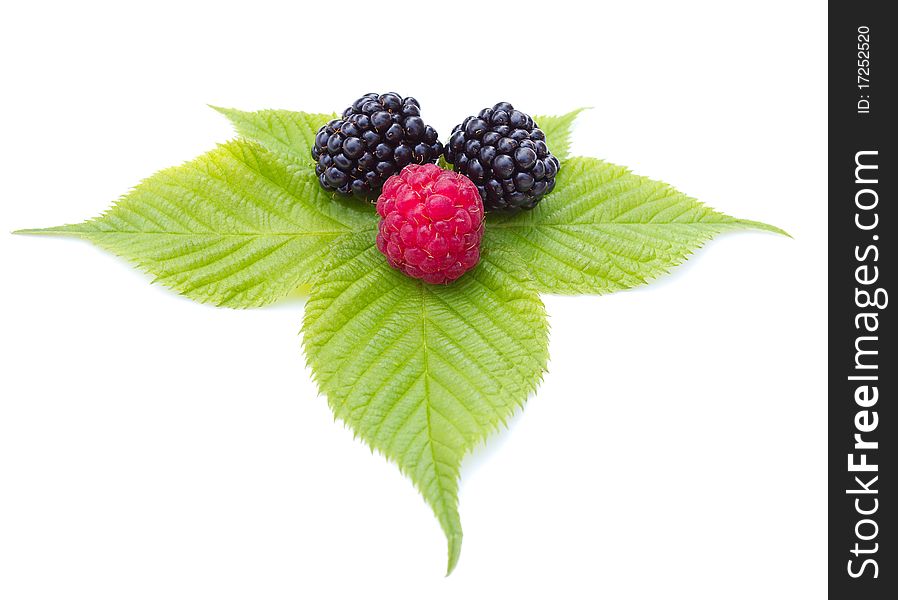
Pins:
x: 505, y: 154
x: 375, y: 138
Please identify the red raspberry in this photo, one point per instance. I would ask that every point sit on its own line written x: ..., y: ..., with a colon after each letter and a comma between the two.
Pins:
x: 431, y: 223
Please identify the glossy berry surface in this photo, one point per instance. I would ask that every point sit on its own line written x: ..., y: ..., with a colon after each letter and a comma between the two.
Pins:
x: 374, y: 138
x: 431, y: 223
x: 505, y: 154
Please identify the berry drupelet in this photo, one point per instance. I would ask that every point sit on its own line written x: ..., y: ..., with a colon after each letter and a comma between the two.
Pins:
x: 505, y: 154
x: 374, y: 138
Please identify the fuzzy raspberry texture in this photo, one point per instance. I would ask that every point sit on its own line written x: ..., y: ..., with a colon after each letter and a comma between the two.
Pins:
x: 431, y: 223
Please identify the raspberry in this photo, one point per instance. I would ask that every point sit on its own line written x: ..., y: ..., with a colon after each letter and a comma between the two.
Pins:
x: 505, y: 154
x: 375, y: 138
x: 431, y: 223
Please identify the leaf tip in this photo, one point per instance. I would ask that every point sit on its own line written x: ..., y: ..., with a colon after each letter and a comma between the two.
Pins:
x: 61, y: 230
x: 454, y: 541
x: 230, y: 113
x: 765, y: 227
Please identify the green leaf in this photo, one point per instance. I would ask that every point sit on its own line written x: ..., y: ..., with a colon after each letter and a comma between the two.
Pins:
x: 423, y: 373
x: 558, y: 131
x: 605, y: 229
x: 235, y: 227
x: 287, y: 133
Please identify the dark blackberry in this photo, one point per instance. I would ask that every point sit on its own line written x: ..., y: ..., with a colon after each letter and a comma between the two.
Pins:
x: 505, y: 154
x: 374, y: 138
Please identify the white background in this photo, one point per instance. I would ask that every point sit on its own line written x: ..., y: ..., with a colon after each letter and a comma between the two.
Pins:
x: 151, y: 447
